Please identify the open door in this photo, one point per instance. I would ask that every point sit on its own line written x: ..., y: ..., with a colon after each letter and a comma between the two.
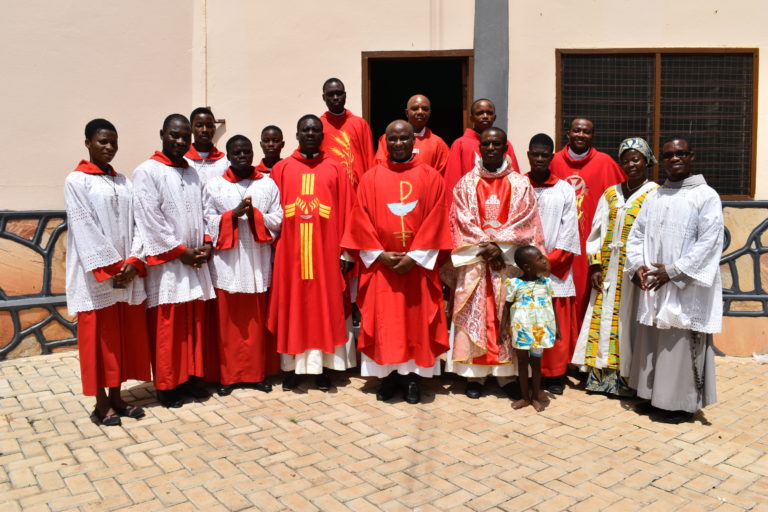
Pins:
x: 445, y: 77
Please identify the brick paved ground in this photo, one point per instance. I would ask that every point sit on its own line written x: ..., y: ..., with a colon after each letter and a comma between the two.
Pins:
x: 342, y: 450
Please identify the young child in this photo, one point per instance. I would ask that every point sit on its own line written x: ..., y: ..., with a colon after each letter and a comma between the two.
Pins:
x: 530, y: 320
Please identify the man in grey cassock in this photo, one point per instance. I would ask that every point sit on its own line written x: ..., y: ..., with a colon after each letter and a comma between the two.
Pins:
x: 673, y: 253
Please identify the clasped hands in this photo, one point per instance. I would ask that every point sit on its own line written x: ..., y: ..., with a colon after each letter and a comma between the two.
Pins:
x: 492, y: 254
x: 651, y: 279
x: 125, y: 276
x: 245, y: 207
x: 196, y: 256
x: 399, y: 262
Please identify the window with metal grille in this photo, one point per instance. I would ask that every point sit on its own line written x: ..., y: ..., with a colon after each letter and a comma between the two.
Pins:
x: 706, y: 96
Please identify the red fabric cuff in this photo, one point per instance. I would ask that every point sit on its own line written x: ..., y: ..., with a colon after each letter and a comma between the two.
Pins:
x: 207, y: 239
x: 560, y: 262
x: 258, y: 229
x: 104, y: 273
x: 227, y: 232
x: 166, y: 256
x: 141, y: 269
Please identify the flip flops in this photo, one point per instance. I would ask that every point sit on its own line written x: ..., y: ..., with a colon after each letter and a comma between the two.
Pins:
x: 131, y: 411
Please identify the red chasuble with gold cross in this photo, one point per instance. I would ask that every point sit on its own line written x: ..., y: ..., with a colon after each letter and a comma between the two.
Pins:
x: 400, y: 208
x: 306, y: 308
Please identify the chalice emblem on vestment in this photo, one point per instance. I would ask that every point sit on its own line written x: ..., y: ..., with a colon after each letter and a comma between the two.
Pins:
x: 402, y: 209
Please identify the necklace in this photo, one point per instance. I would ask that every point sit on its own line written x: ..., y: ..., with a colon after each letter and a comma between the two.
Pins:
x: 181, y: 177
x: 114, y: 200
x: 633, y: 190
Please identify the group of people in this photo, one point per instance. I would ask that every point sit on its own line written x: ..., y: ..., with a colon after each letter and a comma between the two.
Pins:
x: 207, y: 268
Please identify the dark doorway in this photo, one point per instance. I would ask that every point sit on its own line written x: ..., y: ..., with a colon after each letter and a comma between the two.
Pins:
x: 390, y: 78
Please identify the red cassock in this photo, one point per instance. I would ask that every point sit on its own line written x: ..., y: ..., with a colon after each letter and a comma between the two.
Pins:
x: 347, y: 139
x: 461, y: 159
x: 306, y: 309
x: 400, y: 208
x: 429, y: 149
x: 114, y: 346
x: 590, y: 177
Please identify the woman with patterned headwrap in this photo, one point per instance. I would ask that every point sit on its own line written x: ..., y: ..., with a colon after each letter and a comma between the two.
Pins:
x: 604, y: 347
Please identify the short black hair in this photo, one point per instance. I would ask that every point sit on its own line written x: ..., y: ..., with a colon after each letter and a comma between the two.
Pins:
x: 542, y: 139
x: 677, y: 138
x: 97, y: 124
x: 272, y: 127
x: 305, y: 117
x: 173, y: 117
x: 525, y: 254
x: 478, y: 100
x: 495, y: 129
x: 332, y: 80
x: 237, y: 138
x: 201, y: 110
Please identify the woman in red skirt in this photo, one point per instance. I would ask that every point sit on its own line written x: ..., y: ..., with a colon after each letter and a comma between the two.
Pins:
x: 104, y: 287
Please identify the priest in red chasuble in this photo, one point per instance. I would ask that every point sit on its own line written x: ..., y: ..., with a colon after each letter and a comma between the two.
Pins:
x: 428, y: 148
x: 346, y: 137
x: 399, y: 227
x: 307, y: 310
x: 590, y: 172
x: 493, y: 213
x: 466, y: 149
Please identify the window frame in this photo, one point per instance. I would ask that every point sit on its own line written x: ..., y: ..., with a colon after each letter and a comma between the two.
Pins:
x: 657, y: 53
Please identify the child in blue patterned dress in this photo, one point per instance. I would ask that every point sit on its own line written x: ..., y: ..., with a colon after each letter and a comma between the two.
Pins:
x: 530, y: 320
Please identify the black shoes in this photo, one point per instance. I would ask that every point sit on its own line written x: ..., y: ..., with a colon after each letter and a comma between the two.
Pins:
x: 262, y: 386
x: 554, y: 385
x: 169, y: 398
x: 676, y: 417
x: 388, y: 389
x: 290, y: 381
x: 225, y: 390
x: 474, y: 389
x: 323, y: 382
x: 411, y: 391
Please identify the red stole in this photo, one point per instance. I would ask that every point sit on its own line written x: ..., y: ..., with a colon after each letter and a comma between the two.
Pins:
x: 91, y: 168
x: 161, y: 157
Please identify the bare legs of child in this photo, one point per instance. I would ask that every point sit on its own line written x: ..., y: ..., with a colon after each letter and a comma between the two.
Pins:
x: 534, y: 397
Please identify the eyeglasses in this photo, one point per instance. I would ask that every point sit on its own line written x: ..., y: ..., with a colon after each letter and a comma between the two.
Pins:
x: 680, y: 153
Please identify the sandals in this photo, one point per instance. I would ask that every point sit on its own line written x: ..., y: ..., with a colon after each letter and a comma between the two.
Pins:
x: 108, y: 420
x: 131, y: 411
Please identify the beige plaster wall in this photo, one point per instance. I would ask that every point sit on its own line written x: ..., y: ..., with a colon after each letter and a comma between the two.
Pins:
x: 66, y: 62
x: 267, y: 61
x: 537, y: 28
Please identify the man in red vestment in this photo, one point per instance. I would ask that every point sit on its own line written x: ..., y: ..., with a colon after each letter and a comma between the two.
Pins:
x: 492, y: 214
x: 590, y: 172
x: 346, y: 137
x: 466, y: 149
x: 272, y: 144
x: 429, y: 148
x: 307, y: 308
x: 399, y: 227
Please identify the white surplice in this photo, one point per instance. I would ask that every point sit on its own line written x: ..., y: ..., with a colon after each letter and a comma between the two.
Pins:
x: 169, y: 212
x: 208, y: 169
x: 680, y: 226
x: 101, y: 233
x: 557, y: 208
x: 246, y: 268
